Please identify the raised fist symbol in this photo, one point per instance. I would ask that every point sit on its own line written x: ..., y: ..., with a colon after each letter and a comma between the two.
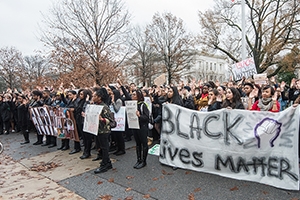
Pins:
x: 269, y: 127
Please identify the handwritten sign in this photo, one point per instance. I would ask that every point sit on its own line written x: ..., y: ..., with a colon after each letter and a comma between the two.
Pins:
x: 119, y: 118
x: 91, y: 120
x: 246, y: 145
x: 245, y: 68
x: 131, y: 108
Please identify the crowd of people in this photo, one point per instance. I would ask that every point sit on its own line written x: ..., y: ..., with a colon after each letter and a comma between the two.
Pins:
x: 202, y: 96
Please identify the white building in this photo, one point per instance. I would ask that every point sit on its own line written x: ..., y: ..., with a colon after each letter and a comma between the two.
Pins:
x: 207, y: 67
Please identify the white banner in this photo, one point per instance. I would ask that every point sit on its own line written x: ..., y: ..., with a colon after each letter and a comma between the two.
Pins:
x: 132, y: 118
x: 246, y: 145
x: 244, y: 68
x: 91, y: 120
x: 119, y: 118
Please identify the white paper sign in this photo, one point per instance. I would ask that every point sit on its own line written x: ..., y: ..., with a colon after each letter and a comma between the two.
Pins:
x: 120, y: 119
x: 244, y: 68
x: 246, y: 145
x: 91, y: 120
x: 260, y: 79
x: 132, y: 118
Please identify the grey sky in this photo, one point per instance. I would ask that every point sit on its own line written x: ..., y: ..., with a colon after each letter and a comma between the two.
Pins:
x: 19, y: 18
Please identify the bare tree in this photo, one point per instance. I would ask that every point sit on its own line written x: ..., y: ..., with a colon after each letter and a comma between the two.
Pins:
x: 11, y: 62
x: 143, y: 55
x: 272, y: 30
x: 171, y: 42
x: 89, y: 30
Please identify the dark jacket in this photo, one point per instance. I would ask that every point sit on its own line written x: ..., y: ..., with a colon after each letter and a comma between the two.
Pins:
x: 5, y: 111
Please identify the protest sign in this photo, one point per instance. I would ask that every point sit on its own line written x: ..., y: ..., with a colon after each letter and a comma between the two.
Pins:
x: 160, y: 80
x: 119, y: 118
x: 59, y: 122
x: 91, y: 119
x: 245, y: 68
x: 132, y: 118
x: 246, y: 145
x: 260, y: 79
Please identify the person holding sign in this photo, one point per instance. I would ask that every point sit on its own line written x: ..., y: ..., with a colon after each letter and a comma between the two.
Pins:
x: 140, y: 135
x: 99, y: 98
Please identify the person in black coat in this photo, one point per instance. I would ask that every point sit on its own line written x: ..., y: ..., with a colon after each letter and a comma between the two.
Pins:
x: 36, y: 102
x: 140, y: 135
x: 47, y: 101
x: 23, y: 117
x: 6, y: 112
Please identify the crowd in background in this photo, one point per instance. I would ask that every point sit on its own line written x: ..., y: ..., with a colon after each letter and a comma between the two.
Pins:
x: 197, y: 95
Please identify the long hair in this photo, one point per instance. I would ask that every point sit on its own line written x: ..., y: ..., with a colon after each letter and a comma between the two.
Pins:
x: 139, y: 95
x: 236, y: 98
x: 176, y: 99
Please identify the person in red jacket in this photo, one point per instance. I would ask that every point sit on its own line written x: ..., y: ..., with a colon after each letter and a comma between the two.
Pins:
x: 268, y: 100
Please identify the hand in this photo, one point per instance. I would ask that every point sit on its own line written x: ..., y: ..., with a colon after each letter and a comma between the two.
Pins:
x: 274, y: 98
x: 138, y: 113
x: 83, y: 114
x: 282, y: 85
x: 219, y: 98
x: 119, y: 82
x: 293, y: 83
x: 254, y: 93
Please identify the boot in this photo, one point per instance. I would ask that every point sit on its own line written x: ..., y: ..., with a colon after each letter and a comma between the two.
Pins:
x: 26, y: 137
x: 62, y: 145
x: 139, y: 156
x: 145, y: 154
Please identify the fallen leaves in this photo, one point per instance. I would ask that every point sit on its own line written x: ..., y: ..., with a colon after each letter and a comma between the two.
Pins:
x: 111, y: 180
x: 197, y: 190
x: 146, y: 196
x: 105, y: 197
x: 129, y: 177
x: 152, y: 189
x: 128, y: 189
x: 166, y: 173
x: 44, y: 166
x: 99, y: 182
x: 191, y: 196
x: 234, y: 188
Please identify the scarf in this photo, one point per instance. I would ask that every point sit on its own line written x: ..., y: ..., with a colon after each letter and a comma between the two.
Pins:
x: 265, y: 104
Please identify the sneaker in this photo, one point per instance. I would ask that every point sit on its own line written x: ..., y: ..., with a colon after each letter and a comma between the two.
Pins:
x: 13, y: 131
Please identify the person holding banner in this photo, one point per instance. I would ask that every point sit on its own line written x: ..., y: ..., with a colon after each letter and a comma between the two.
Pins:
x: 140, y: 135
x: 100, y: 96
x: 36, y: 102
x: 233, y: 99
x: 268, y: 100
x: 214, y: 100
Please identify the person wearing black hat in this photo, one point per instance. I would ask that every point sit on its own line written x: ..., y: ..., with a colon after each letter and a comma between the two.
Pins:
x: 187, y: 98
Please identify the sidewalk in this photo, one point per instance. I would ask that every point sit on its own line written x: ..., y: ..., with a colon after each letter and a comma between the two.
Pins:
x: 72, y: 178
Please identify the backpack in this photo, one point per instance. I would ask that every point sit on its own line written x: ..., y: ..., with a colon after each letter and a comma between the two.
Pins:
x: 112, y: 123
x: 151, y: 121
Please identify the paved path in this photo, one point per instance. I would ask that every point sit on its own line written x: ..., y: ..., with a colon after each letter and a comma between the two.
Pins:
x: 72, y: 178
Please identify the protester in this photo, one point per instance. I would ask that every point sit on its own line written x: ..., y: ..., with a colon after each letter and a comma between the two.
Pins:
x: 99, y: 98
x: 214, y: 100
x: 174, y: 97
x: 116, y: 104
x: 140, y: 135
x: 268, y: 100
x: 36, y: 102
x: 23, y: 117
x: 187, y: 98
x: 203, y: 101
x: 233, y: 99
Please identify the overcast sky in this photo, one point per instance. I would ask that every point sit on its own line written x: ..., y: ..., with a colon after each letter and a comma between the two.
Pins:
x: 19, y: 19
